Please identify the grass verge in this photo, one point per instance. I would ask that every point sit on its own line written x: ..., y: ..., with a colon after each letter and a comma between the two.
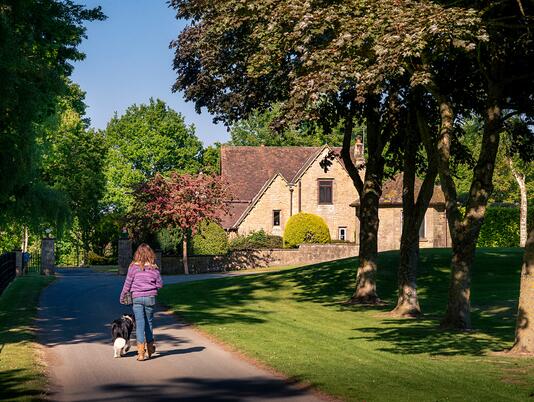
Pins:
x: 21, y: 375
x: 295, y: 322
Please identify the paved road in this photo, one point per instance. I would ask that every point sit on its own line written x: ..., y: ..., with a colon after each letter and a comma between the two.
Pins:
x: 73, y: 320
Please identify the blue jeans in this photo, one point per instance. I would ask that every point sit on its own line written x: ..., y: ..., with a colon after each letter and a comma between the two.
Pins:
x: 143, y: 308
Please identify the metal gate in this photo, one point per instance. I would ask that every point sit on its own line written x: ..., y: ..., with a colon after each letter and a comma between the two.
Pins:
x: 32, y: 262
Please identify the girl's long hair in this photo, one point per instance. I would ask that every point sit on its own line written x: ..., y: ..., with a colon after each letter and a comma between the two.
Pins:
x: 145, y: 257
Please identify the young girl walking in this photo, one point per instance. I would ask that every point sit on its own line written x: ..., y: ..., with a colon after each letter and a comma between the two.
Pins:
x: 143, y: 281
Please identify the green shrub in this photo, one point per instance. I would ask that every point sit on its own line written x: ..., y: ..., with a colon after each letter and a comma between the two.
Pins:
x: 211, y: 239
x: 95, y: 259
x: 501, y: 227
x: 169, y: 241
x: 305, y: 228
x: 255, y: 240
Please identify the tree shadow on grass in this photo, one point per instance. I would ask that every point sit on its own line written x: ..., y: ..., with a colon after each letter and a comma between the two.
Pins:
x: 424, y: 337
x: 206, y: 302
x: 14, y: 385
x: 494, y: 295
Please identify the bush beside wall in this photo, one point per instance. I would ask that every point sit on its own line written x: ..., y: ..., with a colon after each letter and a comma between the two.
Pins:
x: 305, y: 228
x: 211, y: 239
x: 256, y: 240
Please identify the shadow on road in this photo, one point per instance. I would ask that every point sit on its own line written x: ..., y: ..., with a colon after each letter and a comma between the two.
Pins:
x: 207, y: 389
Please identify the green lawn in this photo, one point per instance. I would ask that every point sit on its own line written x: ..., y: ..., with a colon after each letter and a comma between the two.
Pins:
x: 21, y: 374
x: 295, y: 322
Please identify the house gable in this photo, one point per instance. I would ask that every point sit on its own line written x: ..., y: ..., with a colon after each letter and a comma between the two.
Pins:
x: 339, y: 214
x: 248, y: 169
x: 274, y: 196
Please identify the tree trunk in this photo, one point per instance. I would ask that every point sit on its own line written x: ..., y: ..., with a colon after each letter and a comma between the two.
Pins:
x: 185, y: 257
x: 458, y: 314
x: 407, y: 301
x: 369, y: 191
x: 25, y: 239
x: 365, y: 290
x: 524, y: 332
x: 413, y: 212
x: 85, y: 248
x: 523, y: 209
x: 464, y: 232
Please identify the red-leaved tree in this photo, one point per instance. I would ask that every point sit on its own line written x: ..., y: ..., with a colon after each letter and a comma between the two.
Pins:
x: 183, y: 200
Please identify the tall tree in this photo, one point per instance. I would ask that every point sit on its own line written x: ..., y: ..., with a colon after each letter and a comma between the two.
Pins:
x: 211, y: 159
x: 147, y: 139
x: 324, y: 62
x: 519, y: 156
x: 501, y: 81
x: 73, y: 163
x: 38, y: 40
x: 415, y: 201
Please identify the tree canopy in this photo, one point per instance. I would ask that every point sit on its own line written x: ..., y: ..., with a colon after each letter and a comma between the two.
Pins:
x: 392, y: 65
x: 39, y: 40
x: 147, y: 139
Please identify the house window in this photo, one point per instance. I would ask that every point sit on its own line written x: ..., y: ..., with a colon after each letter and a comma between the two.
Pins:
x: 422, y: 229
x: 276, y: 217
x: 325, y: 191
x: 342, y: 233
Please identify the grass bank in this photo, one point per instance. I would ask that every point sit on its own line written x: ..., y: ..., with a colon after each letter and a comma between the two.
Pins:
x: 21, y: 374
x: 295, y: 322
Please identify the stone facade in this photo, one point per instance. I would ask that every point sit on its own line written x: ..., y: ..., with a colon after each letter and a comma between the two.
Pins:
x: 277, y: 197
x: 302, y: 195
x: 434, y: 234
x: 270, y: 184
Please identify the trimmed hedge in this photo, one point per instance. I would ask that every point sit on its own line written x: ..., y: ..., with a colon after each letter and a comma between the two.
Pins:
x: 255, y: 240
x: 305, y: 228
x: 211, y: 239
x: 501, y: 227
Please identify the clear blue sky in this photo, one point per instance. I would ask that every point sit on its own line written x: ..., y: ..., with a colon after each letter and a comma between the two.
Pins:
x: 128, y: 60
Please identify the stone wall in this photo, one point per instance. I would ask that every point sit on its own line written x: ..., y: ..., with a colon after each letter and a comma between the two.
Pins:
x: 246, y: 259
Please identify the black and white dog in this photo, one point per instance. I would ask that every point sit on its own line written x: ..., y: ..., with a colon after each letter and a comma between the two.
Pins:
x: 121, y: 330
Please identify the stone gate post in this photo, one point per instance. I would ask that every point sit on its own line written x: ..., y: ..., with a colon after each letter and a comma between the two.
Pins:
x: 48, y: 257
x: 18, y: 263
x: 159, y: 255
x: 125, y: 255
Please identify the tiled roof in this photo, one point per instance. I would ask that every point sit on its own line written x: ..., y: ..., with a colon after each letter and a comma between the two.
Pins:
x: 247, y: 169
x: 392, y: 192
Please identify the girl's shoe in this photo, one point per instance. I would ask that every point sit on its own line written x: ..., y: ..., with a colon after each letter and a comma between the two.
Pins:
x: 150, y: 349
x: 140, y: 352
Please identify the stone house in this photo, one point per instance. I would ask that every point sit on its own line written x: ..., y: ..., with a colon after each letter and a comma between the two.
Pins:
x: 270, y: 184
